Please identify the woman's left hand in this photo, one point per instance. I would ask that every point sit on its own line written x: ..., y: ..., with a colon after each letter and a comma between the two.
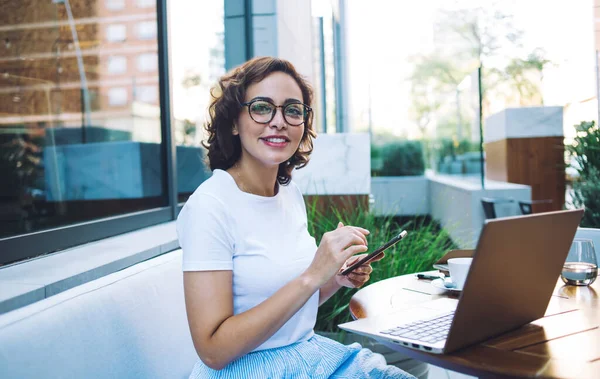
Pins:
x: 359, y: 276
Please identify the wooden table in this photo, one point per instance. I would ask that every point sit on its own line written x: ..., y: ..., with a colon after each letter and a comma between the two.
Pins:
x: 565, y: 343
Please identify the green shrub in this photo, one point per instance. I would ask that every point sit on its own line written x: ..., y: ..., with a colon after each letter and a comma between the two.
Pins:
x: 401, y: 158
x: 21, y: 163
x: 376, y: 159
x: 424, y: 244
x: 586, y: 194
x: 446, y: 147
x: 585, y: 151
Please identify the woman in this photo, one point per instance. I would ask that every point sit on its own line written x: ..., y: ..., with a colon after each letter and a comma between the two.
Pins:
x: 253, y: 276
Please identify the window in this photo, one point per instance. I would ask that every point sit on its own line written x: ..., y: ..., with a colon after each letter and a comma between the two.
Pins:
x: 145, y: 3
x: 78, y: 161
x: 147, y: 62
x: 117, y: 96
x: 146, y: 30
x: 116, y: 33
x: 146, y: 94
x: 115, y: 5
x: 192, y: 79
x: 117, y: 65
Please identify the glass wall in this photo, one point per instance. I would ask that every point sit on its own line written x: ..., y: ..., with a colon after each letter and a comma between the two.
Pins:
x: 326, y: 65
x: 415, y: 83
x: 198, y: 60
x: 80, y: 127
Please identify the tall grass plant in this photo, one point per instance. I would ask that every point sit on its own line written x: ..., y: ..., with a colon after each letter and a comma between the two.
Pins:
x: 424, y: 244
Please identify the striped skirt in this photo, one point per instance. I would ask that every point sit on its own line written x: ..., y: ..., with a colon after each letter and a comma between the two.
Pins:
x: 318, y: 357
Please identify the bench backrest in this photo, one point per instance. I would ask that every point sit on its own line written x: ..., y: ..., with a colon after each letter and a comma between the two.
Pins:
x: 130, y: 324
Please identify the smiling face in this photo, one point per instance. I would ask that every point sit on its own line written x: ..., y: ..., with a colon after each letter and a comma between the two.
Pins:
x: 273, y: 143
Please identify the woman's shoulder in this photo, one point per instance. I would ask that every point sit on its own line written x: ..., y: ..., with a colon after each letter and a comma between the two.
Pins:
x: 293, y: 190
x: 208, y: 202
x: 215, y: 189
x: 218, y: 183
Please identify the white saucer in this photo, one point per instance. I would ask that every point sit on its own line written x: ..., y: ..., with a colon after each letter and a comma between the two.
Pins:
x: 439, y: 283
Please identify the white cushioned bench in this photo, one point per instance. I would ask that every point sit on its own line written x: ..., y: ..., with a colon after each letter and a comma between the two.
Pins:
x: 130, y: 324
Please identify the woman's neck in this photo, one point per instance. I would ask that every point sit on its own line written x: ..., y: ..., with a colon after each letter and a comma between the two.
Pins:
x: 249, y: 178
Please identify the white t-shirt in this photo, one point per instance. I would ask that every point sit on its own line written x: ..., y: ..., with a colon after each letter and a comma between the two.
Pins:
x: 263, y: 240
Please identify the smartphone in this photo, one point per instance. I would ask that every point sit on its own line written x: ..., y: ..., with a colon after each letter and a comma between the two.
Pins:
x: 375, y: 253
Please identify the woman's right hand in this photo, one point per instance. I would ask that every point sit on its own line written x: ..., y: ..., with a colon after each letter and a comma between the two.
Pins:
x: 335, y: 248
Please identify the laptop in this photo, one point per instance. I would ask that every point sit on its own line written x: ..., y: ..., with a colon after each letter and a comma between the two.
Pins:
x: 513, y: 274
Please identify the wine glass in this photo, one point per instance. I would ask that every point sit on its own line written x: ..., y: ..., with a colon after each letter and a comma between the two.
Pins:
x: 581, y: 266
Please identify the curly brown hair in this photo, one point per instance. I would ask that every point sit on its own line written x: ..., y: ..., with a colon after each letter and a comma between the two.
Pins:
x: 224, y: 148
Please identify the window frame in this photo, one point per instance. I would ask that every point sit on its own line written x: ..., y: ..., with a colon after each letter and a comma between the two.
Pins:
x: 140, y: 30
x: 117, y: 101
x: 111, y: 63
x: 142, y: 60
x: 114, y: 5
x: 143, y: 90
x: 111, y: 38
x: 142, y: 4
x: 30, y: 245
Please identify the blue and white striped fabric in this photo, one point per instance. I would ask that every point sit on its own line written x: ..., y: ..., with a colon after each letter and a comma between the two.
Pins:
x: 318, y: 357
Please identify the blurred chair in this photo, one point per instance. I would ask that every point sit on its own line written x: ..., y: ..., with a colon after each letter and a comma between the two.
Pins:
x: 489, y: 203
x: 526, y: 205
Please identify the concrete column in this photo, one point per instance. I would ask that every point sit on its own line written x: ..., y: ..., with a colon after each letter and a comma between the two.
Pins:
x: 279, y: 29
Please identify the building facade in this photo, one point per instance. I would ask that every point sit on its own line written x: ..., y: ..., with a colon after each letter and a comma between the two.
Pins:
x: 102, y: 104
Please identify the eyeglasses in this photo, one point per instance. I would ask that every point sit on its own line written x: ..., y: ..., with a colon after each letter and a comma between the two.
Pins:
x: 263, y: 111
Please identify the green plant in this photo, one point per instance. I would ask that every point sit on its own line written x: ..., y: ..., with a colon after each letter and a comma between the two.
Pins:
x: 376, y: 159
x: 424, y: 244
x: 586, y: 194
x: 447, y: 147
x: 21, y: 165
x: 585, y: 152
x: 398, y: 158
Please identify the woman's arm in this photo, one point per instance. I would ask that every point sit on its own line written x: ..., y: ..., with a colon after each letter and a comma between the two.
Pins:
x: 333, y: 285
x: 355, y: 279
x: 220, y: 336
x: 328, y: 290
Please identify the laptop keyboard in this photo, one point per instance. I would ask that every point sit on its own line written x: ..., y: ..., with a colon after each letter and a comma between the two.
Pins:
x: 431, y: 331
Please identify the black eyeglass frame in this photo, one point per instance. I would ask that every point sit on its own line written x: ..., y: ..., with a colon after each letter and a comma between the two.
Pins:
x: 307, y: 108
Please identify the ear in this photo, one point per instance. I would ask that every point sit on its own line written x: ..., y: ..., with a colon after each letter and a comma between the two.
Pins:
x: 234, y: 130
